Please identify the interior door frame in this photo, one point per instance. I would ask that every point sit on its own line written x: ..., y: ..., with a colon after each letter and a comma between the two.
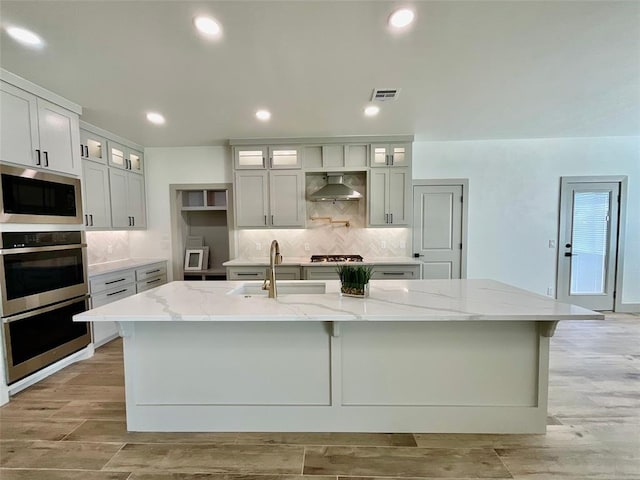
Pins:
x: 621, y: 180
x: 461, y: 182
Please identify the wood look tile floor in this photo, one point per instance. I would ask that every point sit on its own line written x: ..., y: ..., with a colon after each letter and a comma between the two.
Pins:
x: 71, y: 426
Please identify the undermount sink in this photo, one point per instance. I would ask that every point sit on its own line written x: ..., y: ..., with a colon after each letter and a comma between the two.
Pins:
x: 284, y: 288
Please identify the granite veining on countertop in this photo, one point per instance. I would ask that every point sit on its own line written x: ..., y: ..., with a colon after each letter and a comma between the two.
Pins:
x: 389, y: 300
x: 118, y: 265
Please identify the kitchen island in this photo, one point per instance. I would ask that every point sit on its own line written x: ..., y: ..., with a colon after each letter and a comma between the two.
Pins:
x: 415, y: 356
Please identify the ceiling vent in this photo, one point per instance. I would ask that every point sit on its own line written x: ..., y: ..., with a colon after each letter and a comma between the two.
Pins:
x: 384, y: 94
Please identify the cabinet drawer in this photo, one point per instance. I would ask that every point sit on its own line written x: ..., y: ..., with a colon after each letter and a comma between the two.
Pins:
x: 112, y: 295
x: 151, y: 282
x: 287, y: 272
x: 111, y: 281
x: 320, y: 273
x: 246, y: 273
x: 390, y: 272
x: 151, y: 271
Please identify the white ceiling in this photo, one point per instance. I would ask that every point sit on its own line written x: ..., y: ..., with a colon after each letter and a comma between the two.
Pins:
x: 466, y: 70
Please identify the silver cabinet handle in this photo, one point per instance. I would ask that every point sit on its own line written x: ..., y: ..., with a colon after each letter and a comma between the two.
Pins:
x: 386, y: 218
x: 270, y: 162
x: 133, y: 220
x: 391, y: 218
x: 247, y: 274
x: 81, y: 150
x: 271, y: 219
x: 86, y: 150
x: 86, y: 220
x: 264, y: 164
x: 154, y: 281
x: 38, y: 162
x: 152, y: 271
x: 46, y: 158
x: 393, y: 273
x: 115, y: 281
x: 265, y: 219
x: 91, y: 219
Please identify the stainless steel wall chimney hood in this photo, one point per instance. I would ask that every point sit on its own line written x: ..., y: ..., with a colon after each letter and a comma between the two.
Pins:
x: 335, y: 189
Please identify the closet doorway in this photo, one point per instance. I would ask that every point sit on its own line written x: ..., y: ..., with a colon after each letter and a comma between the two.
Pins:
x: 201, y: 214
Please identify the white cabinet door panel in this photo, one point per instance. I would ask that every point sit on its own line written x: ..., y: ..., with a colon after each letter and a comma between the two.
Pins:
x: 251, y: 198
x: 18, y: 126
x: 119, y: 199
x: 378, y: 192
x: 399, y: 196
x: 59, y: 138
x: 95, y: 189
x: 136, y: 199
x: 287, y: 198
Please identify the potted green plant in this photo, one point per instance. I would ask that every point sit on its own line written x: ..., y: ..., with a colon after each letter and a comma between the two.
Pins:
x: 355, y: 280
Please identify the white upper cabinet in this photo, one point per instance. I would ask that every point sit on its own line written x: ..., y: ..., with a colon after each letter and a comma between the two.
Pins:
x: 127, y: 200
x: 19, y: 126
x: 390, y: 155
x: 117, y: 155
x: 95, y: 191
x: 269, y: 199
x: 255, y: 157
x: 136, y: 160
x: 93, y: 147
x: 286, y: 204
x: 389, y: 197
x: 37, y: 133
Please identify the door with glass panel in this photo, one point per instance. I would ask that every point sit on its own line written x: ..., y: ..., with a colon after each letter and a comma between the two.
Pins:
x: 588, y: 243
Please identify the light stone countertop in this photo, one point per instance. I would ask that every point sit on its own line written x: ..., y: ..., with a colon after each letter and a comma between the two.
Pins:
x: 118, y: 265
x: 389, y: 300
x: 306, y: 261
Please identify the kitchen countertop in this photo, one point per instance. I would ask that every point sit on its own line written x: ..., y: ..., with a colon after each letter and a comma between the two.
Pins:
x: 389, y: 300
x: 118, y: 265
x: 306, y: 262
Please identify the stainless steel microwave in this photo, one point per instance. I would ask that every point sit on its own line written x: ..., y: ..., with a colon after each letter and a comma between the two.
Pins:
x: 31, y: 196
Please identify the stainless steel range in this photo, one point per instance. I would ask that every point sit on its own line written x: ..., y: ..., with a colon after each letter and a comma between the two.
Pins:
x: 336, y: 258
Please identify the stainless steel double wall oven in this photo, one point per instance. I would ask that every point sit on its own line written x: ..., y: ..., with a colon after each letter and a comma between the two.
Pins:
x: 43, y: 285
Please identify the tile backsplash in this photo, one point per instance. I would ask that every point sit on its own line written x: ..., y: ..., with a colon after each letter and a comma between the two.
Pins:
x: 107, y: 246
x: 324, y: 238
x: 327, y: 239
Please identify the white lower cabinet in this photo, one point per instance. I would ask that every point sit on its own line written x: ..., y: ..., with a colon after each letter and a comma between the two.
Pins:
x: 380, y: 272
x: 113, y: 286
x: 257, y: 272
x: 127, y: 199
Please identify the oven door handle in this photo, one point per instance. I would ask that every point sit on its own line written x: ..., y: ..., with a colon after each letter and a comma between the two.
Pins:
x: 48, y: 308
x: 52, y: 248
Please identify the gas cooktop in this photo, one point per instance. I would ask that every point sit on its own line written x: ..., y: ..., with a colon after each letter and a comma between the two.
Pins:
x: 336, y: 258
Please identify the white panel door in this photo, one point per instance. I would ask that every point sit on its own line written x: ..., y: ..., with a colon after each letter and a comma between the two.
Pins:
x: 286, y: 191
x: 587, y: 250
x: 95, y: 189
x: 136, y: 200
x: 18, y: 126
x: 59, y: 138
x: 251, y: 198
x: 437, y: 230
x: 120, y: 217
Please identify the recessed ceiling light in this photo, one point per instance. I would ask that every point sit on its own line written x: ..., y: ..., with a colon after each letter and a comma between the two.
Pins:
x: 372, y: 110
x: 207, y: 26
x: 155, y: 118
x: 24, y: 36
x: 401, y: 18
x: 263, y: 115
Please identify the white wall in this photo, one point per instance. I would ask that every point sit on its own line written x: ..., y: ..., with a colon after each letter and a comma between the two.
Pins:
x: 514, y: 191
x: 164, y: 166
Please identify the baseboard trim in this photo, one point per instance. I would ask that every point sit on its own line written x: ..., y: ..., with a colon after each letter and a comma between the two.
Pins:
x: 629, y: 308
x: 26, y: 382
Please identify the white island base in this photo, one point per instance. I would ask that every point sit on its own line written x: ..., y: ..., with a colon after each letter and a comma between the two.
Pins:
x: 416, y: 356
x: 337, y: 377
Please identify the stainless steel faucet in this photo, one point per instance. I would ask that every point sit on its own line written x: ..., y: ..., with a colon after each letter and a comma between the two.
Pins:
x: 274, y: 259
